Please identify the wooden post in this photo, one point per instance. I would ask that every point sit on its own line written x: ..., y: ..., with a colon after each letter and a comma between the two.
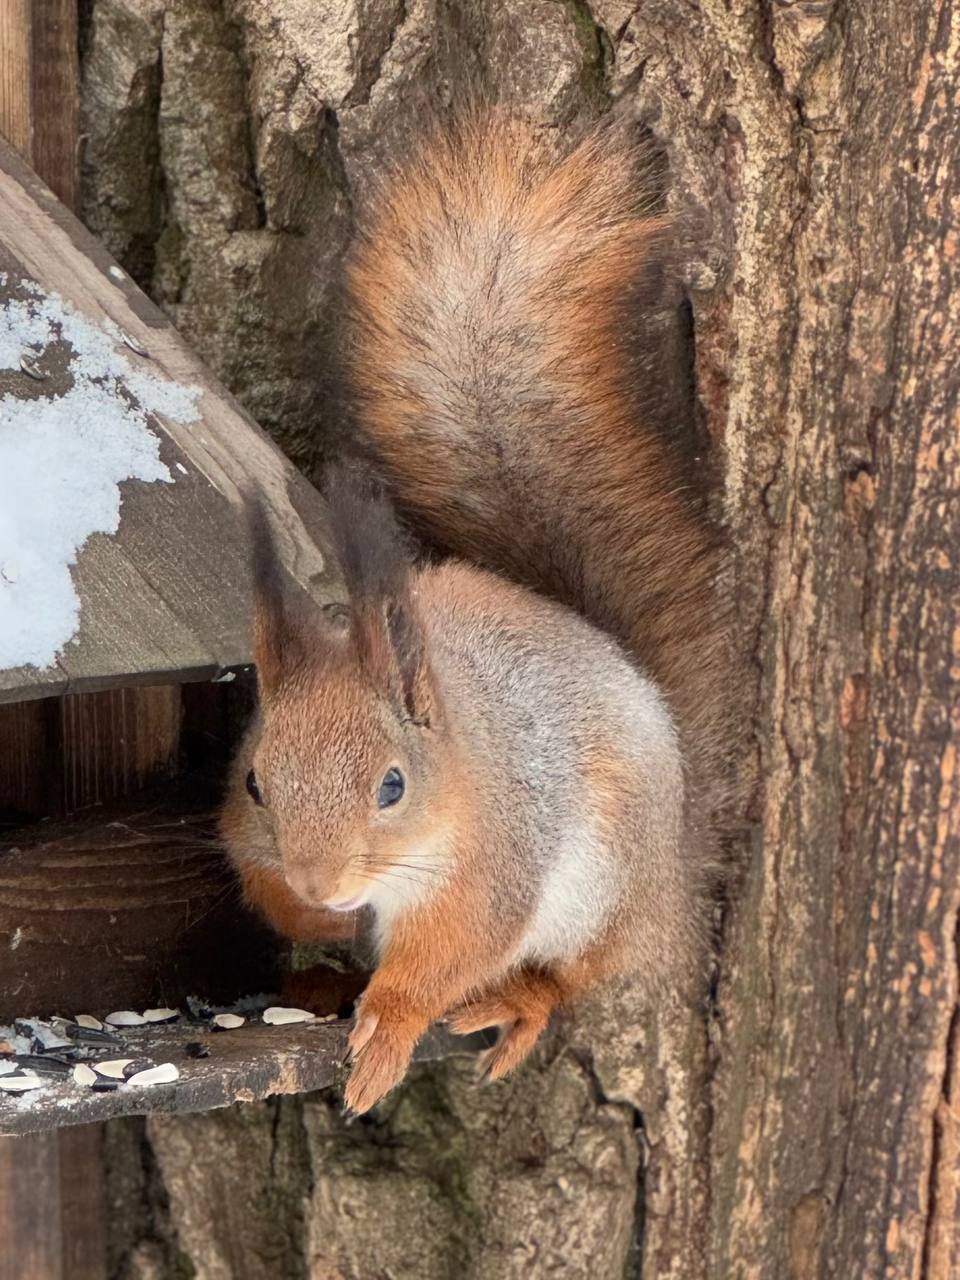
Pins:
x: 39, y: 89
x: 52, y: 1219
x: 30, y: 1208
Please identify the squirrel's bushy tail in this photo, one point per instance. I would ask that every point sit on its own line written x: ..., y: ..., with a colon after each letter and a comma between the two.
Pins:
x: 504, y: 368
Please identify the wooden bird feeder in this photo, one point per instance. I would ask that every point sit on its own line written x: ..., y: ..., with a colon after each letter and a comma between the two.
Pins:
x: 124, y: 669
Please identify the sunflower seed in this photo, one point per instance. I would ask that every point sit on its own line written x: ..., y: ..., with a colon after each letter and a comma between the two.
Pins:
x: 32, y: 369
x: 89, y: 1021
x: 165, y: 1073
x: 88, y: 1035
x: 125, y: 1018
x: 134, y: 345
x: 194, y: 1049
x: 276, y: 1016
x: 113, y: 1068
x: 106, y: 1086
x: 228, y: 1020
x: 160, y: 1015
x: 43, y: 1065
x: 83, y: 1074
x: 20, y: 1084
x: 136, y: 1066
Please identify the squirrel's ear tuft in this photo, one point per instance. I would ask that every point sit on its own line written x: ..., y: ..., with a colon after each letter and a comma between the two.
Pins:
x: 376, y: 564
x: 409, y: 656
x: 281, y: 619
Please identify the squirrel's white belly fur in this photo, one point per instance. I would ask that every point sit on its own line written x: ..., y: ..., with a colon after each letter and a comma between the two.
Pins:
x: 579, y: 891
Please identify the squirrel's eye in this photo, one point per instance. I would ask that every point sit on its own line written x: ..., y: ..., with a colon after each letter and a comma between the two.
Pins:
x: 391, y: 788
x: 253, y: 791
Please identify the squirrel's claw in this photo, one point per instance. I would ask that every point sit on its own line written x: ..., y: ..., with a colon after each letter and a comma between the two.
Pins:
x: 515, y: 1043
x: 379, y: 1064
x: 363, y: 1031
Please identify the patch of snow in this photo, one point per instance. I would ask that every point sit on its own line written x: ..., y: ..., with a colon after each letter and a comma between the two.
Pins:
x: 62, y: 461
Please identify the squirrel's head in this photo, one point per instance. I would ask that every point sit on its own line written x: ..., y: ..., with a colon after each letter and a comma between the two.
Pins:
x: 347, y: 771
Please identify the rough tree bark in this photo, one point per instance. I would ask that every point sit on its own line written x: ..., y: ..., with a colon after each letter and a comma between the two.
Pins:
x: 806, y: 1126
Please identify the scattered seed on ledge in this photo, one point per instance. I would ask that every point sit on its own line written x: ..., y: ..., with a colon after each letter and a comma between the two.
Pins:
x: 89, y: 1021
x: 114, y: 1068
x: 20, y: 1084
x: 105, y: 1086
x: 125, y: 1018
x: 165, y: 1073
x: 276, y: 1016
x: 44, y: 1065
x: 89, y: 1035
x: 82, y: 1074
x: 160, y: 1015
x: 136, y: 1066
x: 228, y: 1020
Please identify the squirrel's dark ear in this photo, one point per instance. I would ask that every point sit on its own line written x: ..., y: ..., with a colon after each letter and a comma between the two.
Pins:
x: 282, y: 624
x: 406, y: 642
x: 376, y: 565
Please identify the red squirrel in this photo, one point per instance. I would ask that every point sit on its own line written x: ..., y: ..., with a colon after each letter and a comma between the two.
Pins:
x: 512, y: 757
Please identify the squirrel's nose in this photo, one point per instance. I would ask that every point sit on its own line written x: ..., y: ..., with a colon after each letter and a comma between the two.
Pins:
x: 309, y: 884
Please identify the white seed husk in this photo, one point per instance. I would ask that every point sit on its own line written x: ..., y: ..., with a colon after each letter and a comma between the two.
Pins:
x: 20, y: 1084
x: 82, y: 1074
x: 165, y: 1073
x: 228, y: 1020
x: 276, y: 1016
x: 112, y: 1069
x: 125, y: 1018
x: 89, y: 1021
x: 160, y: 1015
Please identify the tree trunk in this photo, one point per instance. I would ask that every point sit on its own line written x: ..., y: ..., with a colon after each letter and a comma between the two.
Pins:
x: 807, y: 1124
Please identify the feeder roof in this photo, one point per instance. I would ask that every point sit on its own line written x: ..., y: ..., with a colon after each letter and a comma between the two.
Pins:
x: 123, y: 465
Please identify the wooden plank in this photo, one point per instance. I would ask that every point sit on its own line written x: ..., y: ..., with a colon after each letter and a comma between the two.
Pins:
x: 184, y: 539
x: 39, y: 88
x: 245, y: 1065
x: 15, y: 102
x: 83, y: 1202
x: 118, y: 742
x: 53, y: 1205
x: 30, y: 1208
x: 128, y: 627
x: 128, y: 906
x: 30, y: 774
x: 55, y: 96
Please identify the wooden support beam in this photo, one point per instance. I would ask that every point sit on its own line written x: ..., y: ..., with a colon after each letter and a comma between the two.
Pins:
x: 53, y: 1206
x: 39, y: 89
x: 39, y: 114
x: 30, y: 1208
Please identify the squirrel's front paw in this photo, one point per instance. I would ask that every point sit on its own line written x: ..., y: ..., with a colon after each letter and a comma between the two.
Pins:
x: 381, y: 1048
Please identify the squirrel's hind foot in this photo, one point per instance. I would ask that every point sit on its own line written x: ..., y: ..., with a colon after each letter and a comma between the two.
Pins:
x: 521, y: 1007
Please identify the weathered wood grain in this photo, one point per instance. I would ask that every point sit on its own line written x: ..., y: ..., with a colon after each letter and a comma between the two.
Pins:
x: 30, y: 1209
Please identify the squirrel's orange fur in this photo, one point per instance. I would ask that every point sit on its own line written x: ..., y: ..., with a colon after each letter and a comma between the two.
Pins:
x: 554, y: 826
